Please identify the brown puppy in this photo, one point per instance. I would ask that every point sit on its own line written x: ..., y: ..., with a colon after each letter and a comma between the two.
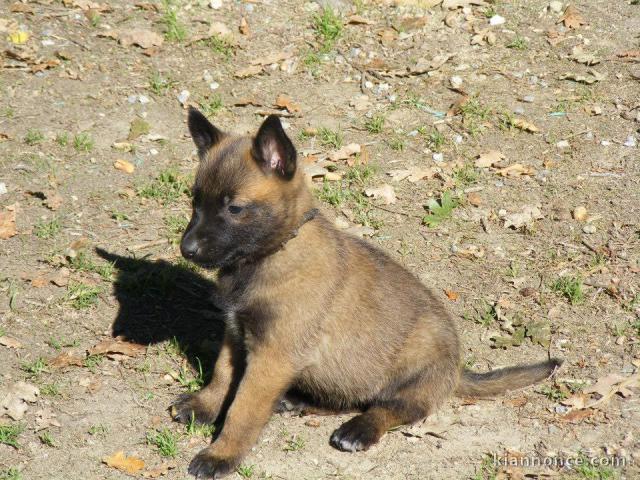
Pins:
x: 310, y: 309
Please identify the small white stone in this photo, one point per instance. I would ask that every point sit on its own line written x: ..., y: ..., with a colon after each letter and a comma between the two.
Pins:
x: 455, y: 81
x: 555, y: 7
x: 214, y: 85
x: 528, y: 99
x: 438, y: 157
x: 153, y: 151
x: 368, y: 84
x: 248, y: 7
x: 589, y: 229
x: 3, y: 188
x: 497, y: 20
x: 184, y: 96
x: 215, y: 4
x: 605, y: 143
x: 143, y: 99
x: 631, y: 141
x: 207, y: 77
x: 48, y: 43
x: 132, y: 99
x: 563, y: 144
x: 458, y: 139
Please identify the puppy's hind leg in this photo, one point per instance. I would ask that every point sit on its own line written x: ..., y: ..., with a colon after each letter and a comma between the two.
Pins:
x: 413, y: 401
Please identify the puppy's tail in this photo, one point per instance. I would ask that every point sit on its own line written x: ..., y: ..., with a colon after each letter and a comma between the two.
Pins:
x: 492, y: 383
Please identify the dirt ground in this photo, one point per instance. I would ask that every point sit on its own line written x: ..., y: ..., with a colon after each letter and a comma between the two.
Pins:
x: 521, y: 207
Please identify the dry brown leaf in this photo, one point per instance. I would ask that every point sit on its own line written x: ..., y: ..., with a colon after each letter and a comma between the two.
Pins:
x: 345, y: 152
x: 517, y: 402
x: 456, y: 107
x: 387, y: 36
x: 554, y: 37
x: 631, y: 54
x: 359, y: 20
x: 4, y: 137
x: 245, y: 101
x: 572, y: 18
x: 272, y: 58
x: 474, y: 199
x: 21, y: 8
x: 489, y: 159
x: 61, y: 278
x: 285, y: 102
x: 53, y: 200
x: 117, y: 346
x: 10, y: 342
x: 39, y: 282
x: 576, y: 416
x: 124, y: 166
x: 525, y: 125
x: 14, y: 400
x: 579, y: 55
x: 8, y: 222
x: 140, y: 37
x: 248, y: 71
x: 243, y: 28
x: 516, y: 170
x: 412, y: 23
x: 66, y: 359
x: 525, y: 218
x: 385, y: 192
x: 119, y: 461
x: 591, y: 77
x: 451, y: 295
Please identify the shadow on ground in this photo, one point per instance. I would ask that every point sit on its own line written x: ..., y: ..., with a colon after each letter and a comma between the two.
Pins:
x: 160, y: 301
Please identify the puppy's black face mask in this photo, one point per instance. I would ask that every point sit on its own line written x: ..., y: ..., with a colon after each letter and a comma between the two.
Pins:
x: 228, y: 224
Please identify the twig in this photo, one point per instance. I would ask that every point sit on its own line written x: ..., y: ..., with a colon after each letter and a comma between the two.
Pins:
x: 142, y: 246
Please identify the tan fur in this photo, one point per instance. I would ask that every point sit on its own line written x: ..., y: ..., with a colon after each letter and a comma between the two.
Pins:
x: 335, y: 318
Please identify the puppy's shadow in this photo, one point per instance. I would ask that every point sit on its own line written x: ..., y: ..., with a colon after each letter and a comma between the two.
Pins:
x: 160, y: 301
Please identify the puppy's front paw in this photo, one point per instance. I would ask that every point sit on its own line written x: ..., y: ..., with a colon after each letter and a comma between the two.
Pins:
x: 206, y: 465
x: 355, y: 435
x: 190, y: 406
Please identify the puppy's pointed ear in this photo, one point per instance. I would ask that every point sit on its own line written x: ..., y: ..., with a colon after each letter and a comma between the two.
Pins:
x: 273, y: 150
x: 204, y: 134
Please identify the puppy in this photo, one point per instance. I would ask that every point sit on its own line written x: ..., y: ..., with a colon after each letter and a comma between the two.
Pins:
x: 310, y: 310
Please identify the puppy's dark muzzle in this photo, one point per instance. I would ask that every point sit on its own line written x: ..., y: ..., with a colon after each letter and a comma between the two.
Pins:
x: 189, y: 247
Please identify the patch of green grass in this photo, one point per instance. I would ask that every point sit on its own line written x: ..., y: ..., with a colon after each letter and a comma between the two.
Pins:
x: 119, y: 216
x: 8, y: 112
x: 197, y: 429
x: 176, y: 225
x: 330, y: 138
x: 553, y: 392
x: 439, y: 210
x: 571, y: 288
x: 168, y: 187
x: 57, y: 344
x: 173, y: 348
x: 488, y: 470
x: 81, y: 296
x: 375, y: 124
x: 212, y: 105
x: 192, y: 383
x: 588, y: 470
x: 328, y: 27
x: 359, y: 174
x: 245, y: 471
x: 160, y: 85
x: 11, y: 474
x: 99, y: 430
x: 294, y: 444
x: 83, y: 142
x: 465, y: 175
x: 332, y: 193
x: 518, y: 43
x: 9, y: 434
x: 35, y: 368
x: 174, y: 30
x: 489, y: 12
x: 92, y: 362
x: 83, y: 263
x: 396, y: 144
x: 312, y: 62
x: 47, y: 439
x: 165, y: 441
x: 436, y: 140
x: 221, y: 46
x: 474, y: 114
x: 33, y: 137
x: 484, y: 314
x: 62, y: 139
x: 51, y: 389
x: 46, y: 230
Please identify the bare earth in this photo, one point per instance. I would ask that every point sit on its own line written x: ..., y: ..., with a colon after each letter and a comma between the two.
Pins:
x: 94, y: 252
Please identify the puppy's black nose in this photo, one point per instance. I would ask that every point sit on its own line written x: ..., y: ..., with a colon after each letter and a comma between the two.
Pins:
x: 188, y: 247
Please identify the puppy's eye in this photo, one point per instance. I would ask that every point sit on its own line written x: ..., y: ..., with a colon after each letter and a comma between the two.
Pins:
x: 235, y: 209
